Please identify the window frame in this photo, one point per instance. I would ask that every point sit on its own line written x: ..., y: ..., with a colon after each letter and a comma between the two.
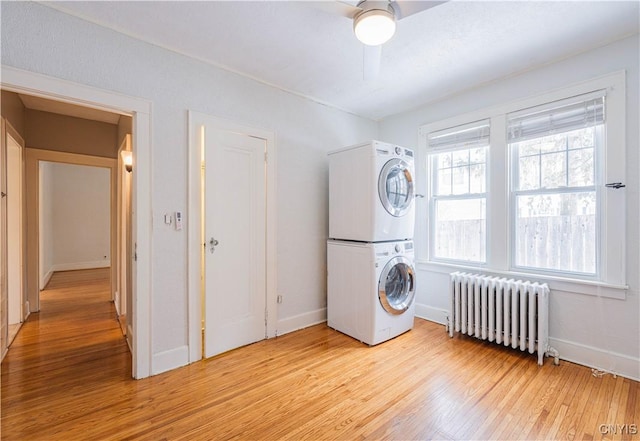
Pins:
x: 599, y: 150
x: 433, y: 199
x: 610, y: 279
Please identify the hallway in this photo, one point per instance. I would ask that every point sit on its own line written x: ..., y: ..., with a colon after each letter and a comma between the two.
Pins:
x: 73, y: 346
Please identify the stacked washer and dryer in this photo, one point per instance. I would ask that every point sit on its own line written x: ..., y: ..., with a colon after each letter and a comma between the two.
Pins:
x: 370, y: 256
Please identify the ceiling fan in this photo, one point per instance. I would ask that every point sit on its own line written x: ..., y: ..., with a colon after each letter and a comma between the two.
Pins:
x: 374, y: 23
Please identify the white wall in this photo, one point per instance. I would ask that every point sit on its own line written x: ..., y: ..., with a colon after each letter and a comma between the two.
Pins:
x: 305, y: 132
x: 80, y: 221
x: 589, y: 329
x: 74, y: 218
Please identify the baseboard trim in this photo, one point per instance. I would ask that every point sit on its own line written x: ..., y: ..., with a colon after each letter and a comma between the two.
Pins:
x: 584, y: 355
x: 129, y: 336
x: 596, y: 358
x: 80, y: 265
x: 45, y: 279
x: 171, y: 359
x: 116, y: 302
x: 301, y: 321
x: 432, y: 314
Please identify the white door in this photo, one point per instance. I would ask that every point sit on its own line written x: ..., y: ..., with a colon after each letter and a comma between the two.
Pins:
x: 235, y: 242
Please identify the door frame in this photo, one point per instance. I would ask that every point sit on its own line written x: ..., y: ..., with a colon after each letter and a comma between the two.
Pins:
x: 33, y: 159
x: 195, y: 278
x: 7, y: 130
x: 123, y: 237
x: 26, y: 82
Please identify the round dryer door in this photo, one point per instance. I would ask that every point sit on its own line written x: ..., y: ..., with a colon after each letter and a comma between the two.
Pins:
x: 396, y: 287
x: 395, y: 187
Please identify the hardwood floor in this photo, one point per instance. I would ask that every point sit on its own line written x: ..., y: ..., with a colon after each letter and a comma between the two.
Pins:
x: 67, y: 377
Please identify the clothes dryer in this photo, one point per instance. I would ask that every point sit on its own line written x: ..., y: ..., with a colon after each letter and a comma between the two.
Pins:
x: 371, y: 193
x: 371, y: 289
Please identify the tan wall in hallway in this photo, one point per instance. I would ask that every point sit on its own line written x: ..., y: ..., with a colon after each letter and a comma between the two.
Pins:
x: 13, y: 110
x: 125, y: 127
x: 50, y: 131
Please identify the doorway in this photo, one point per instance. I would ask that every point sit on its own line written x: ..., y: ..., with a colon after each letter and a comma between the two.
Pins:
x: 75, y: 218
x: 232, y: 253
x: 19, y: 81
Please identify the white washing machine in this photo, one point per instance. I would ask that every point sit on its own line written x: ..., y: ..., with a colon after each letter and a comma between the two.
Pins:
x: 371, y: 289
x: 371, y: 193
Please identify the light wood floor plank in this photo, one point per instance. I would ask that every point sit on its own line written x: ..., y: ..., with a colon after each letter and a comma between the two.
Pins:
x: 67, y: 376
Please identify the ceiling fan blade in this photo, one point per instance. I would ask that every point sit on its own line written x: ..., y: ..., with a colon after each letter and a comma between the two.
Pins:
x: 405, y: 8
x: 336, y: 8
x: 371, y: 62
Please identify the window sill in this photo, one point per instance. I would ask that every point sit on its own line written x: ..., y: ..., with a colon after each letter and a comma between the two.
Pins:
x: 565, y: 284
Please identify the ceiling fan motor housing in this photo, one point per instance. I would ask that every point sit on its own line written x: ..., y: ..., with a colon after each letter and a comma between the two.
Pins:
x: 375, y: 24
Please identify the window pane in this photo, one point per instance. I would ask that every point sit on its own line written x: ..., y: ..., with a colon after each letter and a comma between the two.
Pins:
x: 460, y: 229
x: 552, y: 143
x: 443, y: 160
x: 528, y: 148
x: 555, y: 161
x: 478, y: 156
x: 556, y: 232
x: 581, y: 169
x: 553, y: 168
x: 581, y: 138
x: 477, y: 178
x: 529, y: 172
x: 460, y: 180
x: 443, y: 184
x: 460, y: 157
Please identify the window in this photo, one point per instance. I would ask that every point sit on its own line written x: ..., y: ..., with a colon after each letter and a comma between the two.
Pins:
x: 554, y: 202
x: 523, y: 192
x: 458, y: 158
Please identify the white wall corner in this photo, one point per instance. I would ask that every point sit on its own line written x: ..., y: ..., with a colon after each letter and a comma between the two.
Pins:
x: 171, y: 359
x: 596, y: 358
x: 432, y: 314
x: 301, y: 321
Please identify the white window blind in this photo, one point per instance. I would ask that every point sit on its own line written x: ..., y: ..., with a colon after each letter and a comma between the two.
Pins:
x: 466, y: 136
x: 557, y: 117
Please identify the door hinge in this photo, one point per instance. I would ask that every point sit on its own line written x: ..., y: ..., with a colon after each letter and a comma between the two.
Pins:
x: 266, y: 157
x: 135, y: 252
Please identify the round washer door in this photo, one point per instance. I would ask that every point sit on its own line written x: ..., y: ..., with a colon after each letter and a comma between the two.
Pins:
x: 396, y: 287
x: 395, y: 187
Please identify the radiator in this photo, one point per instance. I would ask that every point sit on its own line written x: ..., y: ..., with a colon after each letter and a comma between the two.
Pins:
x: 504, y: 311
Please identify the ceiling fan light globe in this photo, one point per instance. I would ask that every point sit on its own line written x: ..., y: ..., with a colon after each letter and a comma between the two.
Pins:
x: 374, y: 27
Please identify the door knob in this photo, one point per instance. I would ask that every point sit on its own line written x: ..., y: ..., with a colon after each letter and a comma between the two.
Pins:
x: 212, y: 245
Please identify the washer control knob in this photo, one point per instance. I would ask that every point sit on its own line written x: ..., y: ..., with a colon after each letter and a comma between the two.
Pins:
x: 398, y: 151
x: 398, y: 248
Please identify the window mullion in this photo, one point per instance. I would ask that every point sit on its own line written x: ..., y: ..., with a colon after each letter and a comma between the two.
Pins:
x: 556, y: 190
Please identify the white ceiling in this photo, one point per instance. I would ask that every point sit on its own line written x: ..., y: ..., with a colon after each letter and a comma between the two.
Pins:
x: 299, y: 47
